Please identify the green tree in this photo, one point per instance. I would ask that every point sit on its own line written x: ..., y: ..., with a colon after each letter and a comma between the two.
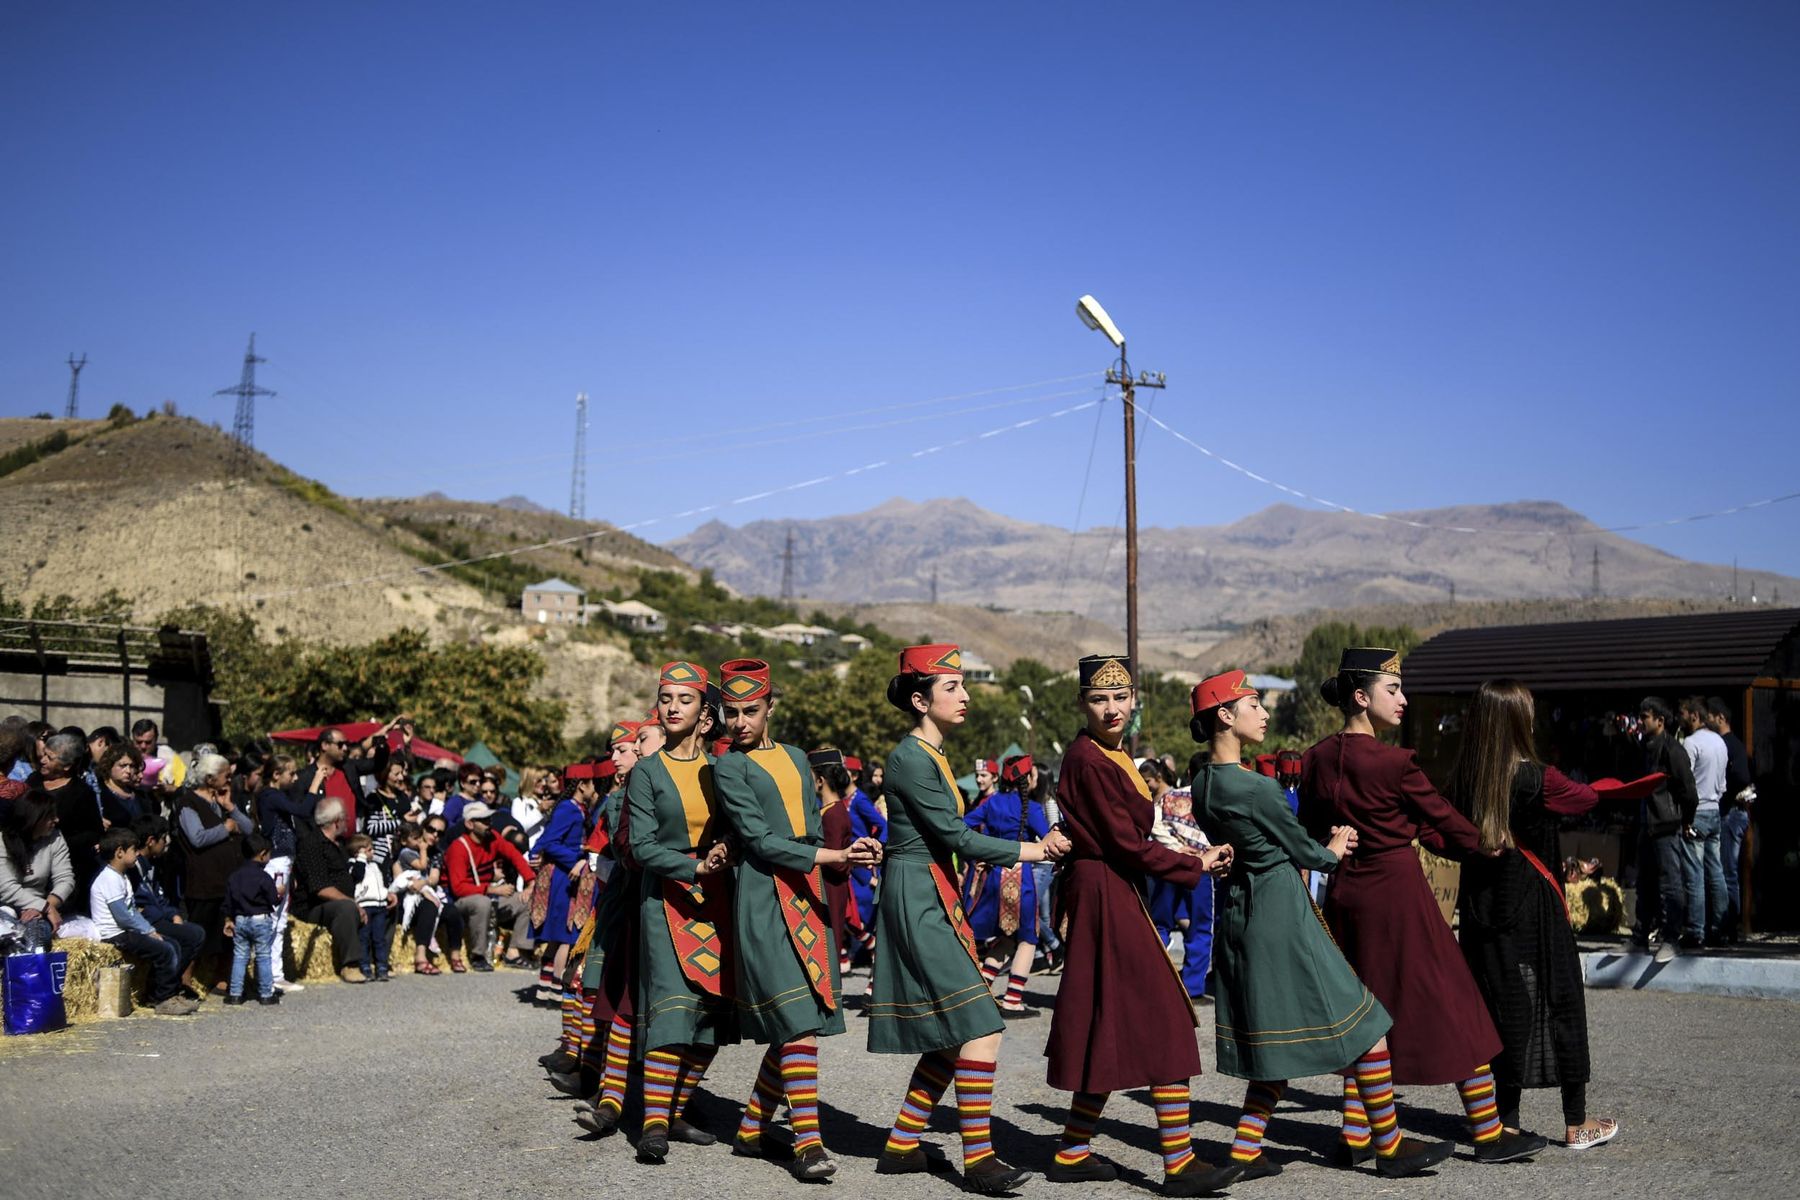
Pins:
x: 1303, y: 714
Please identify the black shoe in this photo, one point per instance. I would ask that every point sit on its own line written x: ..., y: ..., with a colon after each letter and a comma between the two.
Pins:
x: 1091, y: 1169
x: 559, y: 1061
x: 598, y: 1121
x: 1351, y: 1157
x: 518, y: 964
x: 271, y: 998
x: 1201, y: 1178
x: 1411, y: 1157
x: 569, y: 1083
x: 690, y: 1135
x: 480, y: 964
x: 814, y: 1166
x: 236, y: 1000
x: 771, y: 1146
x: 1260, y: 1167
x: 913, y: 1162
x: 991, y: 1177
x: 1690, y: 942
x: 381, y: 977
x: 653, y: 1149
x: 1509, y: 1147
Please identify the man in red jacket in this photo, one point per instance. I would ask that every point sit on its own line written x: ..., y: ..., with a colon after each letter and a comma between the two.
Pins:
x: 479, y: 889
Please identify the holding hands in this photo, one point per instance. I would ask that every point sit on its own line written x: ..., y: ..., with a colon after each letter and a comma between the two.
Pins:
x: 864, y: 852
x: 1055, y: 844
x: 1216, y: 860
x: 715, y: 860
x: 1343, y: 840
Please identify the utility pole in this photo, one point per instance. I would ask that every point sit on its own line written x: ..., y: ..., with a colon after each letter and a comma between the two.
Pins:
x: 1121, y: 375
x: 1596, y: 586
x: 1734, y: 579
x: 75, y: 365
x: 934, y: 586
x: 1453, y: 591
x: 578, y: 481
x: 787, y: 567
x: 243, y: 425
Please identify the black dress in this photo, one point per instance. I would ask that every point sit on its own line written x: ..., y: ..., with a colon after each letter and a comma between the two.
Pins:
x: 1518, y: 943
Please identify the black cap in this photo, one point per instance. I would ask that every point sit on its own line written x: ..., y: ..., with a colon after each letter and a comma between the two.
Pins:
x: 820, y: 759
x: 1373, y: 660
x: 1105, y: 671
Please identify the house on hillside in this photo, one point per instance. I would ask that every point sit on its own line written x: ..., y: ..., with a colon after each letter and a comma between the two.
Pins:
x: 554, y: 602
x: 976, y: 669
x: 633, y: 616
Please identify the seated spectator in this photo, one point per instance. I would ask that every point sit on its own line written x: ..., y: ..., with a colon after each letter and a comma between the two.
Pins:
x: 468, y: 784
x: 121, y: 772
x: 374, y: 900
x: 383, y: 810
x: 413, y: 888
x: 426, y: 801
x: 473, y: 861
x: 121, y: 924
x: 250, y: 902
x: 36, y: 877
x: 27, y: 764
x: 324, y: 892
x: 15, y: 748
x: 447, y: 919
x: 158, y: 903
x: 61, y: 763
x: 98, y: 743
x: 209, y: 824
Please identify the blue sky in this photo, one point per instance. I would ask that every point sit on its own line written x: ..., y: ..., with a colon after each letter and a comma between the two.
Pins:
x: 1401, y: 255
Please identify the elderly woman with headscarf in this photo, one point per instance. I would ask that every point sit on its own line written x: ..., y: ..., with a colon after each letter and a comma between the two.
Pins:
x: 210, y: 823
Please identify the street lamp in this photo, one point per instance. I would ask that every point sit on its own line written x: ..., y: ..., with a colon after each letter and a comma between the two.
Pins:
x: 1096, y: 318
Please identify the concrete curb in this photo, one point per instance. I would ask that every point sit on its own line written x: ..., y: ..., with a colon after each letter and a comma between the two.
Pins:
x: 1714, y: 975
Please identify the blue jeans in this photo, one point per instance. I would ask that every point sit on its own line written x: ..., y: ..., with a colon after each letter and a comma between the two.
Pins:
x: 1731, y: 849
x: 258, y: 934
x: 1661, y: 899
x: 1703, y: 877
x: 1041, y: 875
x: 1170, y: 904
x: 374, y: 935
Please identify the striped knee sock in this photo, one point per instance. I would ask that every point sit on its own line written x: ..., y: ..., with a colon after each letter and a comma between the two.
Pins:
x: 694, y: 1061
x: 617, y: 1072
x: 975, y: 1105
x: 1078, y: 1130
x: 662, y: 1073
x: 929, y: 1079
x: 800, y: 1080
x: 1174, y: 1113
x: 1015, y: 988
x: 1480, y: 1106
x: 1356, y: 1117
x: 765, y: 1098
x: 571, y: 1018
x: 990, y: 971
x: 1260, y: 1100
x: 1375, y: 1084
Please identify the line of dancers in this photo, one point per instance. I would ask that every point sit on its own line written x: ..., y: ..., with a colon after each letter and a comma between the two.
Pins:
x: 711, y: 897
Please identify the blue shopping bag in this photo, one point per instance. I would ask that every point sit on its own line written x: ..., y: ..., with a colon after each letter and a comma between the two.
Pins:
x: 34, y: 992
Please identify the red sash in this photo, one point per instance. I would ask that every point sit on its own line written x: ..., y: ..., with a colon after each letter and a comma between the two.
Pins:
x: 800, y: 904
x: 540, y: 898
x: 1561, y: 897
x: 696, y: 912
x: 953, y: 909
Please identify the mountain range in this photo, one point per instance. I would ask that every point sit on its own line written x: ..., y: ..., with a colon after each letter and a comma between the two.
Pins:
x: 1280, y: 560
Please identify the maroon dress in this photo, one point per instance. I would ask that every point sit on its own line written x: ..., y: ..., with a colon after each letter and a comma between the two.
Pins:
x: 1382, y: 911
x: 1122, y: 1018
x: 834, y: 819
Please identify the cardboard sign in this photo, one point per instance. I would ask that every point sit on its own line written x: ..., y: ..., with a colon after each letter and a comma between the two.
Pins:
x: 1444, y: 878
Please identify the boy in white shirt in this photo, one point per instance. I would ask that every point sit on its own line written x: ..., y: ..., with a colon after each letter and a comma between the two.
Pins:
x: 119, y: 923
x: 371, y: 895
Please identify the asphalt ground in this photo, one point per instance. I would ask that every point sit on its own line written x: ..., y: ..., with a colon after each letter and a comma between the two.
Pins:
x: 428, y: 1087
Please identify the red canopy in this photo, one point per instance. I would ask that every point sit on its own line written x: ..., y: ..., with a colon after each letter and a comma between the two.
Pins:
x: 356, y: 731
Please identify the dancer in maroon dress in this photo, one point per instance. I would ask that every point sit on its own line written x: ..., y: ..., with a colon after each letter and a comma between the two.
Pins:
x: 1383, y: 914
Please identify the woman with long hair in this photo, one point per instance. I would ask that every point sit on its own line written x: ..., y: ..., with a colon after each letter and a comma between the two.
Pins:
x: 1123, y: 1019
x: 1289, y: 1006
x: 928, y: 997
x: 684, y: 913
x: 1383, y: 914
x: 1515, y: 925
x: 36, y: 874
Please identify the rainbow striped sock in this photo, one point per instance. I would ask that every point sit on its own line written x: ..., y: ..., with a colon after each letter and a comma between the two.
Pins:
x: 617, y: 1072
x: 662, y: 1074
x: 1375, y: 1084
x: 1356, y: 1117
x: 571, y: 1018
x: 1479, y: 1105
x: 1174, y: 1115
x: 765, y: 1098
x: 800, y: 1079
x: 975, y: 1105
x: 694, y: 1061
x: 929, y: 1079
x: 1260, y: 1099
x: 1015, y: 988
x: 1078, y: 1131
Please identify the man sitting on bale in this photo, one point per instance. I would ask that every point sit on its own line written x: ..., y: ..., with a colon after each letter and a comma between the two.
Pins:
x: 472, y: 863
x: 323, y: 890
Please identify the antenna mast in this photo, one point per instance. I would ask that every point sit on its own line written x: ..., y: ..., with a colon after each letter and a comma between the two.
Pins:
x: 578, y: 480
x: 787, y: 566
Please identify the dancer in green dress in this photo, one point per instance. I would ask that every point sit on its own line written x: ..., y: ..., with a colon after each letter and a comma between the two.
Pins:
x: 788, y: 993
x: 685, y: 1006
x: 1288, y: 1003
x: 928, y: 997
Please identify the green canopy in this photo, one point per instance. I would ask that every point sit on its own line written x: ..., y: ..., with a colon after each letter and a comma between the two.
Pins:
x: 967, y: 782
x: 481, y: 756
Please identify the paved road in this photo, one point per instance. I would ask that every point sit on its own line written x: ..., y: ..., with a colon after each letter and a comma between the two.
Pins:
x: 427, y: 1088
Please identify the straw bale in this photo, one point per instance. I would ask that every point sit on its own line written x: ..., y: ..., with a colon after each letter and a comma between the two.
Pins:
x: 1595, y: 905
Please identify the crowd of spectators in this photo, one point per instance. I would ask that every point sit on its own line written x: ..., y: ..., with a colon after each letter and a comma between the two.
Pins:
x: 195, y: 864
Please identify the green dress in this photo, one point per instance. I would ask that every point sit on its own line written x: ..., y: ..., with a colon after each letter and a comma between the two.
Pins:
x: 928, y: 993
x: 767, y: 796
x: 672, y: 822
x: 1288, y: 1004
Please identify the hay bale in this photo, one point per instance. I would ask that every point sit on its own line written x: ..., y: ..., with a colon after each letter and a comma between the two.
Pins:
x: 309, y: 952
x: 1595, y: 905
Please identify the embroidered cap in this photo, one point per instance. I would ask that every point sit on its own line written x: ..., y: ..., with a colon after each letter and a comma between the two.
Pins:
x: 622, y: 731
x: 1219, y: 689
x: 578, y: 771
x: 852, y: 763
x: 820, y: 759
x: 988, y: 765
x: 685, y: 674
x: 744, y: 679
x: 1375, y: 660
x: 1104, y: 671
x: 1016, y: 769
x: 940, y: 659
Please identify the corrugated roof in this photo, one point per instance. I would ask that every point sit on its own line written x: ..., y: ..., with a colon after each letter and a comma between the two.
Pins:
x: 1674, y: 653
x: 554, y: 585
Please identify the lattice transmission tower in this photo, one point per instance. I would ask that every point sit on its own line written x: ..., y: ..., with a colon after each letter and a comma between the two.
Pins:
x: 578, y: 479
x: 243, y: 425
x: 75, y: 365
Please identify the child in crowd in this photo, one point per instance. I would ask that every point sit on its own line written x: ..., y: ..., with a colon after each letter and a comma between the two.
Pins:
x: 276, y: 812
x: 120, y: 924
x: 372, y: 897
x: 411, y: 889
x: 251, y: 899
x: 157, y: 904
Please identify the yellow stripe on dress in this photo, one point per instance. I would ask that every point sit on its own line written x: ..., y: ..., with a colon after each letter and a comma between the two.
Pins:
x: 694, y: 784
x: 780, y: 766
